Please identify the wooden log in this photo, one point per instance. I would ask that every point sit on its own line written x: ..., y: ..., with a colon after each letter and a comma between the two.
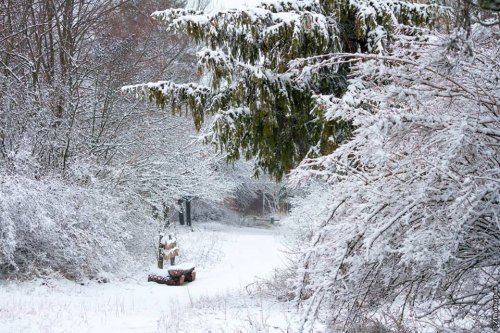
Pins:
x: 158, y: 278
x: 168, y: 280
x: 190, y: 277
x: 176, y: 271
x: 176, y: 281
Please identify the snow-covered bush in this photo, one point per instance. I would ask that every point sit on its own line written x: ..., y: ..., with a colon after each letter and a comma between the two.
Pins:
x: 309, y: 207
x: 413, y: 213
x: 48, y: 226
x: 204, y: 211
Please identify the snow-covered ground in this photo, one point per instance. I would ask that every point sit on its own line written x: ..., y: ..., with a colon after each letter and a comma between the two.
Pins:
x: 228, y: 259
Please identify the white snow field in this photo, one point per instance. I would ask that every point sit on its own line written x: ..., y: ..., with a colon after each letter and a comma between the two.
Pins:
x: 227, y: 260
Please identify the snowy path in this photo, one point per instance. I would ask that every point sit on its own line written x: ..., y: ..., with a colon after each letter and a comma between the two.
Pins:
x: 138, y: 306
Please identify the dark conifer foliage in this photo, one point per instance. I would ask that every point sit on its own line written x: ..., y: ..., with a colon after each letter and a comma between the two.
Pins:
x: 263, y: 106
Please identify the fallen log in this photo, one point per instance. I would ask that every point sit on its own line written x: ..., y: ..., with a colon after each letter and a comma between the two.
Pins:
x: 190, y: 277
x: 185, y: 269
x: 178, y: 272
x: 173, y: 275
x: 168, y: 280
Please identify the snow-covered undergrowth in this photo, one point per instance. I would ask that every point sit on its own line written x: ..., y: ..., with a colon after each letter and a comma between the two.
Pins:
x: 49, y: 227
x: 231, y: 312
x: 410, y: 224
x: 228, y: 259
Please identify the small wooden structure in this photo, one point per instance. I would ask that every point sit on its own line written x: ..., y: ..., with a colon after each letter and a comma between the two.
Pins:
x: 170, y: 249
x: 167, y: 249
x: 173, y: 275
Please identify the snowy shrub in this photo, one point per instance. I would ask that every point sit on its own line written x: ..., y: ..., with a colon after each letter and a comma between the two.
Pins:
x: 209, y: 211
x: 413, y: 218
x: 370, y: 327
x: 50, y: 227
x: 309, y: 207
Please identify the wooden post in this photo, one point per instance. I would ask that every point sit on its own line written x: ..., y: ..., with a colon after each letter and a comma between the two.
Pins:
x: 263, y: 202
x: 160, y: 253
x: 494, y: 310
x: 166, y: 211
x: 188, y: 212
x: 172, y: 258
x: 181, y: 211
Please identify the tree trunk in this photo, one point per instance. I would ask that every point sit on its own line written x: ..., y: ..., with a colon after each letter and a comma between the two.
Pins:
x: 181, y: 212
x: 160, y: 253
x: 188, y: 212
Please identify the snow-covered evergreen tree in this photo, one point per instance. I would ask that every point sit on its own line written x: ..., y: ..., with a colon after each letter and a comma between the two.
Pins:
x: 262, y: 106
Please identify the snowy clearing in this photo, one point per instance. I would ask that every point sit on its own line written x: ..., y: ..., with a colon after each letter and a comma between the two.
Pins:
x: 228, y: 259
